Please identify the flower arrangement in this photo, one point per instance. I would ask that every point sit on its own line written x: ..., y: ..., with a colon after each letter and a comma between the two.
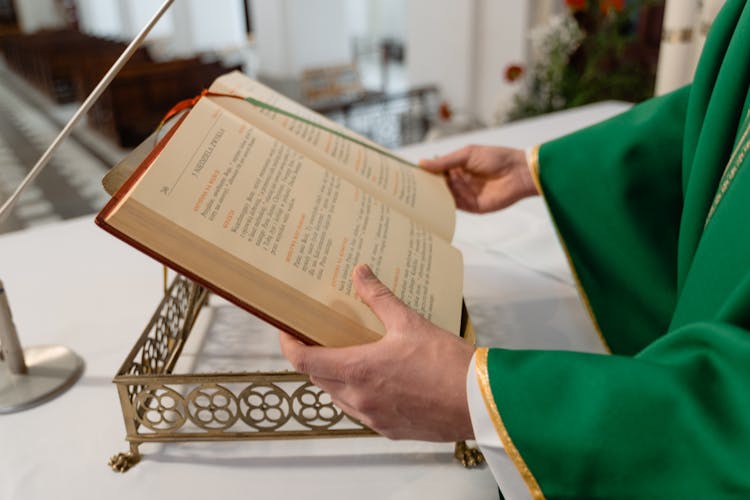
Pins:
x: 595, y: 50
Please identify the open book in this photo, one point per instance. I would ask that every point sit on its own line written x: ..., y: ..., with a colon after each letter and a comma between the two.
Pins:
x: 271, y: 206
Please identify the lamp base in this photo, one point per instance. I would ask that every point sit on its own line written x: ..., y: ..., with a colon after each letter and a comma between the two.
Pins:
x: 52, y: 369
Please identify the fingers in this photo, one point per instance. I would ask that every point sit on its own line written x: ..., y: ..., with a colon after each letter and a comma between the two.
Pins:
x: 443, y: 163
x: 387, y: 307
x: 324, y: 362
x: 289, y: 344
x: 339, y: 393
x: 463, y: 193
x: 292, y: 349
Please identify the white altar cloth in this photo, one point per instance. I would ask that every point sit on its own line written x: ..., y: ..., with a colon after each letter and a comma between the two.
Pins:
x: 71, y: 283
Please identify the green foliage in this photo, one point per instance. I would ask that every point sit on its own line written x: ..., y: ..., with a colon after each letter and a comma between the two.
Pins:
x: 587, y: 55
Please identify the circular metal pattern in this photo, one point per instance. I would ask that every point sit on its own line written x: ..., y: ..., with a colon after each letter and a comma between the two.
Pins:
x: 166, y: 331
x: 153, y: 357
x: 212, y: 407
x: 172, y: 315
x: 264, y: 407
x: 160, y: 408
x: 313, y: 407
x: 133, y: 389
x: 161, y: 341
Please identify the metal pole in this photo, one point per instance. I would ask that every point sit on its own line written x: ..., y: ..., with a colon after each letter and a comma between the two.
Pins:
x: 12, y: 353
x: 38, y: 374
x: 95, y: 94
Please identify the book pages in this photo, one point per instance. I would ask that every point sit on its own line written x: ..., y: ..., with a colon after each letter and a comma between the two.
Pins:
x: 272, y: 207
x: 420, y: 195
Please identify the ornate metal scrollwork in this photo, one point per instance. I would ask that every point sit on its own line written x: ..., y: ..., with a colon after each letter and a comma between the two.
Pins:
x: 265, y: 407
x: 134, y: 369
x: 212, y: 407
x: 160, y: 408
x: 153, y: 354
x: 313, y: 408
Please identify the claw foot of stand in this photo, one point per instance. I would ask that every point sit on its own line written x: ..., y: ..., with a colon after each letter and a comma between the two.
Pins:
x: 468, y: 456
x: 122, y: 462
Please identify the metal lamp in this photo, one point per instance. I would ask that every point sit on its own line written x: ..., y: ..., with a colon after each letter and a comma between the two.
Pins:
x: 31, y: 376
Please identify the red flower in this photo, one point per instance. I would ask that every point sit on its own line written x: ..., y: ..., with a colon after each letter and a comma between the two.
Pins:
x: 513, y: 72
x: 445, y: 112
x: 575, y: 5
x: 607, y: 5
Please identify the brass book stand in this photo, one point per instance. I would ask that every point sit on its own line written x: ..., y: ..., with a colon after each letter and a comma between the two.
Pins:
x: 160, y: 406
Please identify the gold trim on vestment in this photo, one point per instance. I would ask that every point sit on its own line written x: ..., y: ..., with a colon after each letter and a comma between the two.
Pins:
x: 730, y: 171
x: 484, y: 385
x: 535, y: 173
x: 683, y: 35
x: 534, y: 167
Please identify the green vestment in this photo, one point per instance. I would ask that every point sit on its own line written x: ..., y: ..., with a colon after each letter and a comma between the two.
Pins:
x: 667, y: 414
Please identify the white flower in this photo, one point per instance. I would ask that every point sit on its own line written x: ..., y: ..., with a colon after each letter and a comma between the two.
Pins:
x: 561, y: 33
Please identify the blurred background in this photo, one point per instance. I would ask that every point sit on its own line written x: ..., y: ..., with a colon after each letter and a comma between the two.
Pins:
x: 398, y: 71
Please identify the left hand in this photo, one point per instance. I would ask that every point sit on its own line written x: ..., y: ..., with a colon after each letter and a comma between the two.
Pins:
x: 484, y: 178
x: 411, y: 384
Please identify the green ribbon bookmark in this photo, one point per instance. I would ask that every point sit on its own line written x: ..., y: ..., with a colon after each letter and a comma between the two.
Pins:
x: 283, y: 112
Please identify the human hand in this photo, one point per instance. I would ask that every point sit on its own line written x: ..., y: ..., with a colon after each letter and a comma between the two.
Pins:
x: 411, y: 384
x: 484, y: 178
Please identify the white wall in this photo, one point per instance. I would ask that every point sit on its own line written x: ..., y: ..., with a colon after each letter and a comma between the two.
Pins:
x: 501, y: 30
x: 198, y: 28
x: 440, y: 47
x: 123, y: 19
x: 269, y: 30
x: 463, y: 46
x: 376, y: 19
x: 101, y: 18
x: 357, y: 17
x: 293, y: 35
x: 317, y: 33
x: 188, y: 27
x: 388, y: 18
x: 224, y: 28
x: 137, y: 14
x: 34, y: 15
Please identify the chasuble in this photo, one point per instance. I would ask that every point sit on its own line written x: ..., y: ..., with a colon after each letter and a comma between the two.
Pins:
x: 653, y: 210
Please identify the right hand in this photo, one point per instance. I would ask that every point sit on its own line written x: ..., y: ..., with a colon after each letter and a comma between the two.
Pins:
x: 484, y: 178
x: 410, y: 384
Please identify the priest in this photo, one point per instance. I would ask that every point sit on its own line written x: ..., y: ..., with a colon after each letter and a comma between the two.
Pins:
x: 653, y: 210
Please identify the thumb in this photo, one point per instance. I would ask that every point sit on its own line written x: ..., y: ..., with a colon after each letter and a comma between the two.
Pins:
x: 387, y: 307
